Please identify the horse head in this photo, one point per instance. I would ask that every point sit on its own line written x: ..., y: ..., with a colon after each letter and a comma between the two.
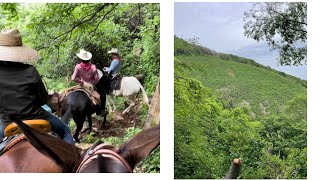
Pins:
x: 98, y: 158
x: 53, y: 100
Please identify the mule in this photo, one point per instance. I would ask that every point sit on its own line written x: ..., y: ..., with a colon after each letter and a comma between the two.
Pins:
x: 46, y: 153
x: 129, y: 88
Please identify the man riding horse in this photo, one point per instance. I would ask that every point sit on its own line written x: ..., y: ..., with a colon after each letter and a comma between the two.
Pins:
x: 22, y: 90
x: 86, y: 75
x: 114, y: 69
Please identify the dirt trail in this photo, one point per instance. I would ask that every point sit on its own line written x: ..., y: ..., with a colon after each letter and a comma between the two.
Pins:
x: 117, y: 123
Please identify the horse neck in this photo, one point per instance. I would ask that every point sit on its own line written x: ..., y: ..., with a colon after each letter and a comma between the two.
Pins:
x: 24, y: 158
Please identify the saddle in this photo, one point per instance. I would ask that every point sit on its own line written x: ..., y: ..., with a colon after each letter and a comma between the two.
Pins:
x: 115, y: 83
x: 93, y: 95
x: 13, y: 133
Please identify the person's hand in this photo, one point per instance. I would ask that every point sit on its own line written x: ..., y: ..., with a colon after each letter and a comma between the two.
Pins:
x: 105, y: 69
x: 88, y: 86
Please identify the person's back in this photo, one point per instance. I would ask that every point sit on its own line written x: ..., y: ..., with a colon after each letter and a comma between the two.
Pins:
x: 18, y: 85
x: 115, y: 64
x: 22, y: 90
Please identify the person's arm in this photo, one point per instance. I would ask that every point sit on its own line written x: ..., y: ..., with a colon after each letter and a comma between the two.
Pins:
x: 95, y: 74
x: 41, y: 91
x: 75, y: 77
x: 112, y: 66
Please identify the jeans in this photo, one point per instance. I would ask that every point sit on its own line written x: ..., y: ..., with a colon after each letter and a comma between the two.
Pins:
x: 1, y: 130
x: 57, y: 126
x: 60, y: 128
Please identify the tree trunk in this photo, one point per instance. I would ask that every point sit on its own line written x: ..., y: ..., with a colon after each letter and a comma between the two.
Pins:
x: 154, y: 109
x: 234, y: 170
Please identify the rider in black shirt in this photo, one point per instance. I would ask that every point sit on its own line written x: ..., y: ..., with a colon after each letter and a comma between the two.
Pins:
x: 22, y: 90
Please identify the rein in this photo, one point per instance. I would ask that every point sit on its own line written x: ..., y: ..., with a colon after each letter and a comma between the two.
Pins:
x: 14, y: 142
x: 92, y: 154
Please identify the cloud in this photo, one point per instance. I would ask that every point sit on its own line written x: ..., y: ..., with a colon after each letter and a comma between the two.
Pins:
x: 218, y: 25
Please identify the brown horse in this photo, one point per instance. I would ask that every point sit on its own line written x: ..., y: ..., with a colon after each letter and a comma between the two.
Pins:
x: 46, y: 153
x: 23, y: 157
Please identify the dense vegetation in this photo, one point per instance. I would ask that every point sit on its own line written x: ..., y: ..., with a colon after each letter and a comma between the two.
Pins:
x: 59, y: 30
x: 226, y: 109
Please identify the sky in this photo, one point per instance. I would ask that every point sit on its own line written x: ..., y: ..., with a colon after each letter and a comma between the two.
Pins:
x: 219, y: 26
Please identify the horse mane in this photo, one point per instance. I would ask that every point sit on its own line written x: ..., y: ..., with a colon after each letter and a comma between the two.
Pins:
x: 65, y: 155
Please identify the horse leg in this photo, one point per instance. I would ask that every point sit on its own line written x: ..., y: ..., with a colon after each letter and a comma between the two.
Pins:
x: 109, y: 103
x: 131, y: 103
x: 79, y: 121
x: 104, y: 122
x: 90, y: 124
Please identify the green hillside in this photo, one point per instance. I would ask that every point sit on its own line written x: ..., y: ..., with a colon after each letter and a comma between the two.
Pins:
x: 227, y: 107
x: 261, y: 87
x: 257, y: 86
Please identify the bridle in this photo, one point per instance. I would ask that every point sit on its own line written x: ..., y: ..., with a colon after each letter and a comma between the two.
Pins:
x: 100, y: 150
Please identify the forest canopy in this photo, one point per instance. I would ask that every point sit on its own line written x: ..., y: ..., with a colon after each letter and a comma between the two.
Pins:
x: 60, y: 30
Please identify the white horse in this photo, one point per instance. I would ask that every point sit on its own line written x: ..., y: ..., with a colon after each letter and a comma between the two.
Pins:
x: 130, y: 87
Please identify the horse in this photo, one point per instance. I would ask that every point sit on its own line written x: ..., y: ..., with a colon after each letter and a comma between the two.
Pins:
x: 45, y: 153
x: 129, y: 88
x: 77, y: 105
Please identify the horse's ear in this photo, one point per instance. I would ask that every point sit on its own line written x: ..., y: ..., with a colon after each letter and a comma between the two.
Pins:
x: 139, y: 147
x: 67, y: 156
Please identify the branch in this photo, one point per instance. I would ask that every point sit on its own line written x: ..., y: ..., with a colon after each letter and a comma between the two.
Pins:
x: 284, y: 16
x: 234, y: 170
x: 104, y: 16
x: 298, y: 30
x: 82, y: 21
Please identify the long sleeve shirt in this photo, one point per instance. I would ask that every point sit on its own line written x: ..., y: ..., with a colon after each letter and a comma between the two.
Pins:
x: 22, y: 91
x: 114, y: 67
x: 80, y: 75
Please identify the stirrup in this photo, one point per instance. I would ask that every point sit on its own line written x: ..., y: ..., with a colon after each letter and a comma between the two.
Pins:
x: 39, y: 124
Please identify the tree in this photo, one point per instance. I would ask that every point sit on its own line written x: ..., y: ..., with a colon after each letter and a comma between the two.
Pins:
x: 59, y: 30
x: 283, y: 25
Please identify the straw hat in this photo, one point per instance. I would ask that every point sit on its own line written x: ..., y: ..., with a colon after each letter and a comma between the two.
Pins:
x: 113, y: 50
x: 84, y: 55
x: 12, y: 49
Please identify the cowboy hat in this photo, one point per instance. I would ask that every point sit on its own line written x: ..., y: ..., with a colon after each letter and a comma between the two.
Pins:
x: 12, y: 49
x: 113, y: 50
x: 84, y: 55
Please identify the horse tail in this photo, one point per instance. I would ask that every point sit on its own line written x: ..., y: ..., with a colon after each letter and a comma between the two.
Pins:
x: 67, y: 115
x: 145, y: 96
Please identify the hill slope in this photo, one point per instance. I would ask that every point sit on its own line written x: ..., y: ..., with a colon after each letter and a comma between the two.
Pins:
x: 261, y: 87
x: 228, y: 107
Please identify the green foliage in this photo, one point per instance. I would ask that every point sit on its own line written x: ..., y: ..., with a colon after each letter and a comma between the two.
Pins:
x: 150, y: 164
x: 183, y: 47
x: 59, y: 30
x: 8, y: 14
x: 233, y: 108
x: 288, y: 20
x: 90, y: 137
